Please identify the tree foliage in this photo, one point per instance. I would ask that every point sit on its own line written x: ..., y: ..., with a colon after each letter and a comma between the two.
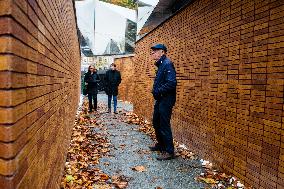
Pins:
x: 123, y: 3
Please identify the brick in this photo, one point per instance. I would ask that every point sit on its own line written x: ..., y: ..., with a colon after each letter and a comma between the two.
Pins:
x: 6, y: 7
x: 12, y: 97
x: 276, y: 45
x: 261, y: 26
x: 275, y: 64
x: 9, y: 150
x: 276, y: 16
x: 12, y: 63
x: 276, y: 39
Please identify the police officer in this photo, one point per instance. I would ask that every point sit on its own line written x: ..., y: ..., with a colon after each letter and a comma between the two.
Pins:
x: 164, y: 93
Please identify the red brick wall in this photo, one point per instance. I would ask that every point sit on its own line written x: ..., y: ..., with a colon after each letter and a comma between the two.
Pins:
x: 126, y: 66
x: 39, y: 89
x: 229, y: 60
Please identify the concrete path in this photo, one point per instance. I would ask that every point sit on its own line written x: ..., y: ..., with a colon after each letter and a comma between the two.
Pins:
x: 130, y: 149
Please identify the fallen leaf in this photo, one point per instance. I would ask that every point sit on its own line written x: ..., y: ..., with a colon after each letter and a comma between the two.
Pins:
x: 207, y: 180
x: 121, y: 185
x: 139, y: 168
x: 69, y: 178
x: 104, y: 176
x: 106, y: 163
x: 76, y: 133
x: 80, y: 139
x: 80, y: 182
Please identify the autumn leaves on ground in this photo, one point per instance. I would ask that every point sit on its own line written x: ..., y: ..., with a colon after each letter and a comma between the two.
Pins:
x: 88, y: 147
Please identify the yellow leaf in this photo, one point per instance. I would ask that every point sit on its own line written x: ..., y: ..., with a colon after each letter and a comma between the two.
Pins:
x: 80, y: 182
x: 69, y: 178
x: 208, y: 180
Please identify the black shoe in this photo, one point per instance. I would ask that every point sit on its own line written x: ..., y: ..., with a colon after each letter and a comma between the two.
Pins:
x: 90, y: 111
x: 166, y: 156
x: 155, y: 148
x: 115, y: 112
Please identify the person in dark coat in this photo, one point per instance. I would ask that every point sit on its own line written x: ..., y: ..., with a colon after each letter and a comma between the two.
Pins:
x: 91, y: 80
x: 113, y: 79
x: 164, y: 93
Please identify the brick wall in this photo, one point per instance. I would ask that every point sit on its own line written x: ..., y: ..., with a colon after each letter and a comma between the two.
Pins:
x: 229, y: 60
x: 39, y: 89
x: 126, y: 66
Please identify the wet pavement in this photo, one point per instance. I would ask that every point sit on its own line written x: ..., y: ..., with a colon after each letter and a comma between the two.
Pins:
x: 130, y: 149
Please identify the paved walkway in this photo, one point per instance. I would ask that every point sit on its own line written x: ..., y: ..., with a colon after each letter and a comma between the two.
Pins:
x: 130, y: 149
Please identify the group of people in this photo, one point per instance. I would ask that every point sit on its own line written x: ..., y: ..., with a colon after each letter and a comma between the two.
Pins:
x: 164, y: 93
x: 112, y: 81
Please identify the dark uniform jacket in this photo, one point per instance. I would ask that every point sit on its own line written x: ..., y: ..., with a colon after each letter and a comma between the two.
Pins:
x: 113, y: 79
x: 165, y: 83
x: 92, y: 80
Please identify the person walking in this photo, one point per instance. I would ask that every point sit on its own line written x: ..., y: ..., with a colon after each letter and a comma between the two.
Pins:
x: 113, y: 79
x: 164, y: 93
x: 91, y: 80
